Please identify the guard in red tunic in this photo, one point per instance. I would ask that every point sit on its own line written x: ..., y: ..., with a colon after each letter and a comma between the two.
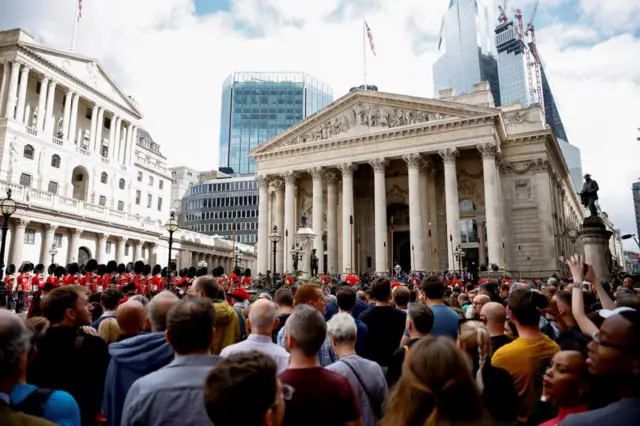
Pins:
x: 110, y: 272
x: 23, y: 284
x: 144, y: 280
x: 156, y: 284
x: 122, y: 277
x: 136, y: 278
x: 73, y: 274
x: 58, y: 276
x: 246, y: 279
x: 37, y: 281
x: 191, y: 275
x: 89, y: 279
x: 101, y: 274
x: 9, y: 287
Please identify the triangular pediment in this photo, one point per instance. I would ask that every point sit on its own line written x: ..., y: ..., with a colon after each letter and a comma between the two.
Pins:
x: 365, y: 113
x: 88, y: 71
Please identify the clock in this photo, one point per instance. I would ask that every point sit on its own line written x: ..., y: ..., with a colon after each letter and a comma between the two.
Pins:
x: 573, y: 233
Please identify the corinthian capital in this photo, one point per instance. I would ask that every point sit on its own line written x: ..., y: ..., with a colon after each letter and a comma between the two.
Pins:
x: 449, y: 155
x: 379, y: 165
x: 21, y: 224
x: 330, y: 178
x: 347, y: 169
x: 263, y: 181
x: 277, y: 184
x: 317, y: 173
x: 290, y: 177
x: 413, y: 160
x: 487, y: 150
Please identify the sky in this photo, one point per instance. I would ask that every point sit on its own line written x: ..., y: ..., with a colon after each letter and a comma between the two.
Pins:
x: 172, y: 57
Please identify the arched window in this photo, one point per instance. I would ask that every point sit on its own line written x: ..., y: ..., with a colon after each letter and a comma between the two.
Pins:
x: 467, y: 206
x: 28, y: 152
x: 55, y: 161
x: 468, y: 231
x: 104, y: 177
x: 121, y: 184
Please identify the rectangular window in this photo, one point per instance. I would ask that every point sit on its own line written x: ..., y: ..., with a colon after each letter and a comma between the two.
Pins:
x: 161, y: 184
x: 159, y: 204
x: 88, y: 113
x: 139, y: 176
x: 138, y: 196
x: 149, y: 200
x: 102, y: 201
x: 57, y: 240
x: 25, y: 179
x: 29, y: 236
x: 107, y: 122
x: 150, y: 180
x: 108, y: 247
x: 126, y: 250
x: 121, y: 206
x: 53, y: 187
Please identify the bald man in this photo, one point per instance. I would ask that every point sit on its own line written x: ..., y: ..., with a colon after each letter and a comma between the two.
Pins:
x: 495, y: 317
x: 131, y: 317
x: 477, y: 303
x: 262, y: 321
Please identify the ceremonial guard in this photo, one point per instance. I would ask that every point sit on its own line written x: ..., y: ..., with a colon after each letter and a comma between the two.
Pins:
x: 101, y: 282
x: 58, y: 278
x: 130, y: 268
x: 156, y: 284
x: 191, y: 275
x: 122, y: 277
x: 23, y: 284
x: 73, y: 274
x: 89, y: 278
x: 51, y: 269
x: 37, y: 281
x: 183, y: 276
x: 111, y: 269
x: 10, y: 285
x: 145, y: 280
x: 201, y: 271
x: 246, y: 279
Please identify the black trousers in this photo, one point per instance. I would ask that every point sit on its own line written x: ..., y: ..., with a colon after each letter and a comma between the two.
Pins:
x: 20, y: 302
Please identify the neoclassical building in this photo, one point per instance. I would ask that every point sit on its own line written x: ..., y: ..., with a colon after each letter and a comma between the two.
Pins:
x: 422, y: 180
x: 86, y: 177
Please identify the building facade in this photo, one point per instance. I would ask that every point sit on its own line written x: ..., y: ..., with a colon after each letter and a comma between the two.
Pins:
x: 635, y: 189
x: 256, y: 106
x: 86, y: 178
x: 491, y: 182
x: 216, y: 206
x: 468, y: 42
x: 182, y: 178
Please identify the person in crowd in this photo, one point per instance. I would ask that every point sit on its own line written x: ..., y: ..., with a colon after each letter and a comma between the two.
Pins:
x: 474, y: 341
x: 227, y: 319
x: 168, y: 396
x: 476, y: 307
x: 262, y: 321
x: 67, y: 358
x: 490, y: 289
x: 109, y: 300
x: 247, y: 376
x: 570, y: 336
x: 333, y: 308
x: 362, y: 296
x: 138, y: 356
x: 445, y: 320
x: 495, y: 317
x: 401, y: 296
x: 140, y: 298
x: 131, y: 316
x: 347, y: 297
x: 419, y: 324
x: 15, y: 342
x: 311, y: 295
x: 39, y: 325
x: 464, y: 302
x: 385, y: 325
x: 321, y: 397
x: 436, y: 387
x: 109, y: 330
x: 504, y: 293
x: 284, y: 306
x: 365, y: 376
x: 528, y: 356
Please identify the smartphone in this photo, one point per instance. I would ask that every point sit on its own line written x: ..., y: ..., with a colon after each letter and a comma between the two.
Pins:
x: 585, y: 269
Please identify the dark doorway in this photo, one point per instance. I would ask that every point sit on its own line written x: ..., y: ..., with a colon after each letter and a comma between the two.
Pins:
x: 83, y: 256
x: 402, y: 250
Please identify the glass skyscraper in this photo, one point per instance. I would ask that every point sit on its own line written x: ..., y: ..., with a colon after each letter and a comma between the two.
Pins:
x: 256, y: 106
x: 469, y: 48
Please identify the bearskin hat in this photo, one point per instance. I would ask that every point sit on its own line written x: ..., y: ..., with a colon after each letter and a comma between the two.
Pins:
x: 216, y: 271
x: 163, y: 272
x: 59, y: 271
x: 183, y: 272
x: 202, y: 271
x: 236, y: 271
x: 192, y: 272
x: 51, y: 269
x: 38, y: 269
x: 146, y: 270
x: 102, y: 269
x: 130, y: 267
x: 73, y: 268
x: 138, y: 267
x: 220, y: 270
x: 112, y: 266
x: 91, y: 265
x: 26, y: 267
x: 121, y: 268
x: 173, y: 266
x: 82, y: 270
x: 11, y: 269
x: 157, y: 269
x: 67, y: 268
x: 247, y: 272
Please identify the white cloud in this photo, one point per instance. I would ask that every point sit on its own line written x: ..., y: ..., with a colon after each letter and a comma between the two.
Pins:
x: 174, y: 63
x: 613, y: 15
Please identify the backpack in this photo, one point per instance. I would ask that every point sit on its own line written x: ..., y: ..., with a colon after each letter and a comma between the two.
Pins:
x: 243, y: 325
x: 34, y: 403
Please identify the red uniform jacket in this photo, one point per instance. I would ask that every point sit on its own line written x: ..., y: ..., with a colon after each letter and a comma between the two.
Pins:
x: 123, y: 280
x: 9, y: 280
x: 143, y: 285
x: 71, y: 280
x: 24, y: 282
x: 157, y: 283
x: 37, y: 280
x: 53, y: 280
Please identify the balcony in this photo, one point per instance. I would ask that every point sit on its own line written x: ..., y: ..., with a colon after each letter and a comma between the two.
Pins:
x: 105, y: 160
x: 57, y: 141
x: 32, y: 131
x: 83, y: 151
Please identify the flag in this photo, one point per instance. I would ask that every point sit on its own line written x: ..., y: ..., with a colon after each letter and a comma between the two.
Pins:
x: 79, y: 9
x: 370, y: 37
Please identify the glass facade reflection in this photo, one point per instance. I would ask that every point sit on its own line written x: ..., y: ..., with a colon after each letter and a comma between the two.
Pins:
x: 512, y: 69
x: 256, y: 106
x: 469, y: 48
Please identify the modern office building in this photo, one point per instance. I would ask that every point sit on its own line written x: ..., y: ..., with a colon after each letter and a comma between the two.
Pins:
x: 256, y: 106
x: 468, y: 43
x: 218, y: 201
x: 635, y: 188
x: 182, y: 178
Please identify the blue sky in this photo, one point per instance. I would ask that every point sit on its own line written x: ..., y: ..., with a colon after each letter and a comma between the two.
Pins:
x: 205, y: 7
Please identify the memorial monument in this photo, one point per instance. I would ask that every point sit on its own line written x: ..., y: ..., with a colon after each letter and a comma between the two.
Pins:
x: 594, y: 234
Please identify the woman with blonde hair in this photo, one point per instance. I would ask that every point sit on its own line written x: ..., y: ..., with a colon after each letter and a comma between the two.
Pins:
x: 474, y: 341
x: 436, y: 377
x: 109, y: 330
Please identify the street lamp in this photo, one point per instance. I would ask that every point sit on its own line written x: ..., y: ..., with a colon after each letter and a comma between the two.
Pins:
x: 629, y: 236
x: 459, y: 254
x: 7, y: 208
x: 53, y: 251
x: 236, y: 253
x: 171, y: 226
x: 274, y: 237
x: 202, y: 264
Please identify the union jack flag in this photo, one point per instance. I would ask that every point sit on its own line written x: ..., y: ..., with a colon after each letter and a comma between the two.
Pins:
x: 79, y: 9
x: 370, y: 37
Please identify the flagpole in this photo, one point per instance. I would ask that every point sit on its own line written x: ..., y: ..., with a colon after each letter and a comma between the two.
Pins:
x: 364, y: 52
x: 75, y: 30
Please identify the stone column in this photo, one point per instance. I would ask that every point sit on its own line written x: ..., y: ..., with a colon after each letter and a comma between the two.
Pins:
x: 332, y: 222
x: 543, y: 187
x: 414, y: 162
x: 18, y: 242
x: 74, y: 118
x: 99, y: 128
x: 49, y: 231
x: 74, y: 244
x: 120, y: 243
x: 132, y: 148
x: 424, y: 208
x: 116, y: 138
x: 432, y: 223
x: 595, y: 239
x: 102, y: 248
x: 123, y: 143
x: 137, y: 250
x: 278, y: 185
x: 127, y: 145
x: 68, y: 100
x: 112, y: 137
x: 449, y: 156
x: 348, y: 246
x: 263, y: 224
x: 4, y: 85
x: 42, y: 103
x: 49, y: 123
x: 290, y: 179
x: 492, y: 204
x: 22, y: 93
x: 380, y: 208
x: 92, y: 130
x: 317, y: 221
x: 13, y: 91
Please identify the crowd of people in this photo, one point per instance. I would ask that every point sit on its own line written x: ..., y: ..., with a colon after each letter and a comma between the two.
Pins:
x: 412, y: 351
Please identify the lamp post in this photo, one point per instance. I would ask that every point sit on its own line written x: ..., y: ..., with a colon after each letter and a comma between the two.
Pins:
x: 629, y: 236
x: 53, y: 251
x: 171, y: 226
x: 236, y: 254
x: 7, y: 208
x: 274, y: 237
x: 459, y: 254
x: 202, y: 264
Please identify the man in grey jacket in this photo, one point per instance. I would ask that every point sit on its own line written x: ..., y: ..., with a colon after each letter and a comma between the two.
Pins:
x: 168, y: 395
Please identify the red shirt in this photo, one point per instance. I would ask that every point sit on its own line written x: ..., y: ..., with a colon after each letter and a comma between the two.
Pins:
x: 564, y: 412
x: 37, y: 280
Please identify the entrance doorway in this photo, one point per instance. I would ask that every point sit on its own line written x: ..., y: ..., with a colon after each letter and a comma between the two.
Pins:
x: 80, y: 182
x: 402, y: 250
x: 84, y: 255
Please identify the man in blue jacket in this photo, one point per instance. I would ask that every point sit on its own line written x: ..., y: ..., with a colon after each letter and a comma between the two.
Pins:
x: 138, y: 356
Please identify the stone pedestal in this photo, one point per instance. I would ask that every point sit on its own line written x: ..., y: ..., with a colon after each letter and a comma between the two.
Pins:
x: 305, y: 237
x: 595, y: 239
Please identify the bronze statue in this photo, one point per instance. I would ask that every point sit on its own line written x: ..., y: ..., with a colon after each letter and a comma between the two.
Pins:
x: 304, y: 220
x: 314, y: 263
x: 589, y: 195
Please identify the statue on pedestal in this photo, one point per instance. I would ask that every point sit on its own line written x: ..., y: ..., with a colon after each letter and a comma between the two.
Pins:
x: 589, y: 195
x: 304, y: 221
x: 313, y: 263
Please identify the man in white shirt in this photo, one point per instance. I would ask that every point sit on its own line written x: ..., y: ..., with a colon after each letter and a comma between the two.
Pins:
x: 262, y: 320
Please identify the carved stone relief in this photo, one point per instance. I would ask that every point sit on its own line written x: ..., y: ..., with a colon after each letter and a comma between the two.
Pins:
x: 524, y: 167
x: 397, y: 195
x: 523, y: 189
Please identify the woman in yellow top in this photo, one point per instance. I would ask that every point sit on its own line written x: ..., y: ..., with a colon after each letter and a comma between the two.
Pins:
x: 527, y: 357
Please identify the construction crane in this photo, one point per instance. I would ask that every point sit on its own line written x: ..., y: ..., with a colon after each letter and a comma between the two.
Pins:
x: 537, y: 65
x: 503, y: 13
